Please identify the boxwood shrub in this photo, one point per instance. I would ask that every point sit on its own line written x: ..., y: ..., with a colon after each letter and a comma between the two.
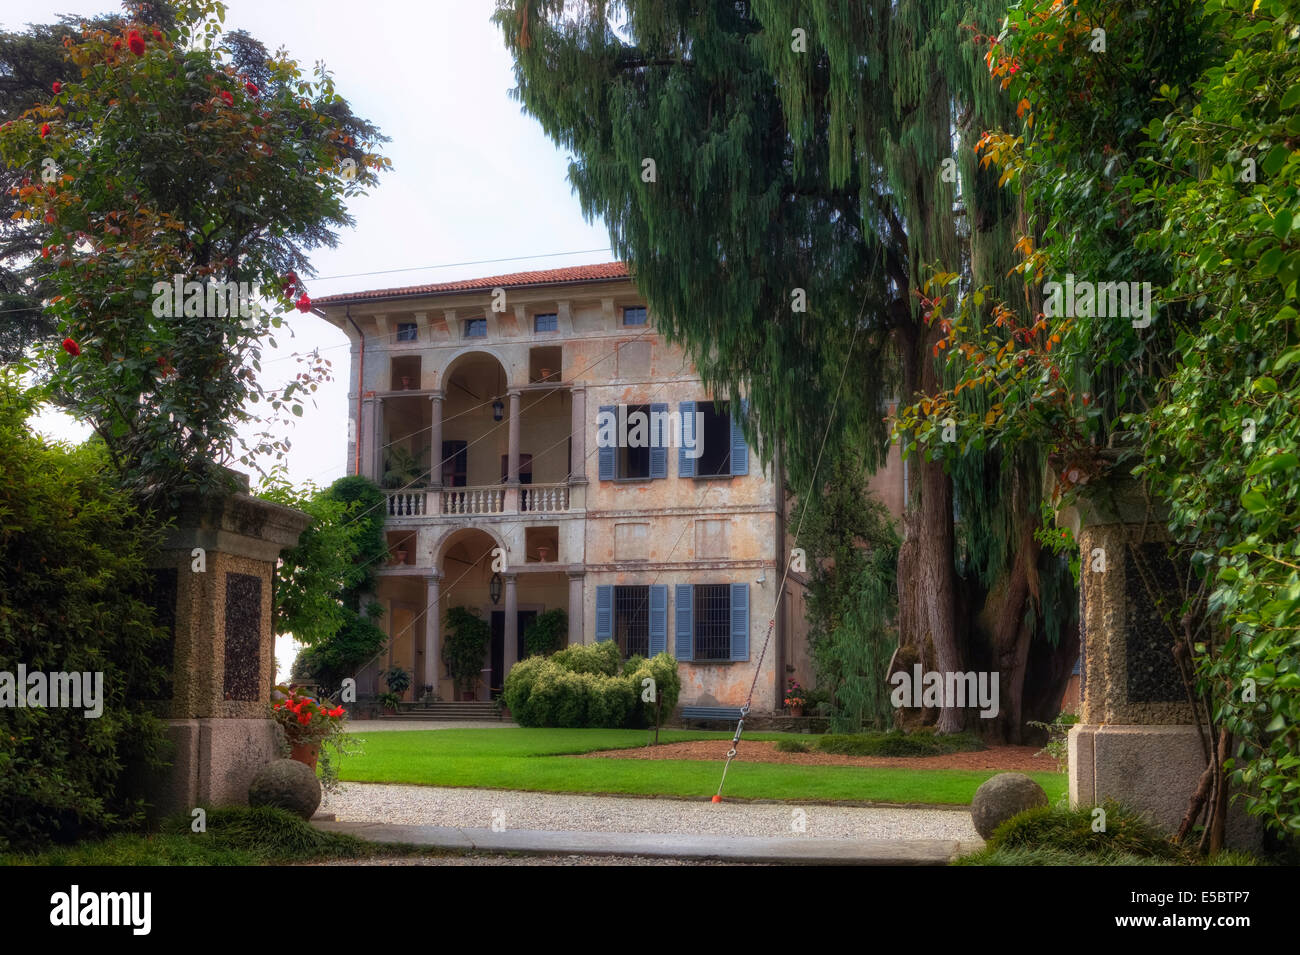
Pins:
x: 588, y: 685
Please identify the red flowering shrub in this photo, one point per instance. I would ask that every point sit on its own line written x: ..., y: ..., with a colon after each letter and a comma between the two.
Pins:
x: 57, y: 87
x: 303, y: 303
x: 71, y: 347
x: 45, y: 130
x: 303, y: 718
x: 251, y: 88
x: 135, y: 41
x: 227, y: 98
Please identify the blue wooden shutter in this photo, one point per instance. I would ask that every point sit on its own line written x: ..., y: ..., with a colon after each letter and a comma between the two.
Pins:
x: 608, y: 459
x: 659, y: 441
x: 685, y: 463
x: 685, y: 601
x: 740, y: 621
x: 739, y: 449
x: 658, y: 619
x: 604, y: 612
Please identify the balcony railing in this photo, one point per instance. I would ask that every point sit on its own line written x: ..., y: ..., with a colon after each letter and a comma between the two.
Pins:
x: 407, y: 503
x: 421, y: 502
x: 473, y: 500
x: 544, y: 498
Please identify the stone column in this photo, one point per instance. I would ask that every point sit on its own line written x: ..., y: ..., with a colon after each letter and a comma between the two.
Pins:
x: 511, y: 655
x: 380, y: 444
x: 435, y: 444
x: 578, y: 430
x: 432, y: 633
x: 576, y: 611
x: 512, y: 502
x: 512, y: 474
x: 367, y: 436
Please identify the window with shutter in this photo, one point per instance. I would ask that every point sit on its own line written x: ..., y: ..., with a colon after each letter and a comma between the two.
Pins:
x: 684, y: 605
x: 604, y: 612
x: 685, y: 460
x: 740, y: 621
x: 739, y: 448
x: 608, y: 460
x: 658, y: 619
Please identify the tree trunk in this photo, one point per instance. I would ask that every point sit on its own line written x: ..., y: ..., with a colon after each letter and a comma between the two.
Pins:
x: 926, y: 575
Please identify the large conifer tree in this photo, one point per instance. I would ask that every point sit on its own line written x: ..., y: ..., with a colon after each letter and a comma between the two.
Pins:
x: 745, y: 155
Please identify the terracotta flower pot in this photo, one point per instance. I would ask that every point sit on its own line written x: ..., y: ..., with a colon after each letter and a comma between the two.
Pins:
x: 543, y: 554
x: 545, y: 374
x: 796, y: 711
x: 306, y: 753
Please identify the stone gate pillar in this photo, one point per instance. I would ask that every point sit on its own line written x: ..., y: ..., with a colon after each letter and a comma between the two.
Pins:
x: 213, y: 591
x: 1137, y: 741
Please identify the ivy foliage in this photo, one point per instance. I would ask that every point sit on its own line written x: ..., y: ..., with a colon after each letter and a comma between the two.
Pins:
x: 321, y: 581
x: 1174, y: 162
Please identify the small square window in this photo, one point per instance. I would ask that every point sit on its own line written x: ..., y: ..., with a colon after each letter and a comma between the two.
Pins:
x: 546, y: 322
x: 634, y: 315
x: 476, y: 328
x: 407, y: 332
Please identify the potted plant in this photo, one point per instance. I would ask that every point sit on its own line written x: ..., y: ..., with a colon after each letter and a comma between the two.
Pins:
x: 465, y: 647
x: 543, y: 553
x: 544, y: 374
x: 398, y: 680
x: 389, y: 702
x: 399, y: 553
x: 403, y: 469
x: 795, y: 698
x: 306, y: 722
x: 408, y: 383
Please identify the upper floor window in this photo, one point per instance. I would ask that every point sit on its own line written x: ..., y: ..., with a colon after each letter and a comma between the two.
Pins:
x: 633, y: 441
x: 407, y: 332
x: 634, y: 315
x: 713, y: 442
x: 476, y: 328
x: 546, y: 322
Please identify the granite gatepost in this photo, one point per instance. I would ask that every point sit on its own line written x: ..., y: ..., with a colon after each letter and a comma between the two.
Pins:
x: 1137, y: 740
x: 213, y: 591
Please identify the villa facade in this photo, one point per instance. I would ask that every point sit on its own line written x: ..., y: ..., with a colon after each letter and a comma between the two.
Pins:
x: 541, y: 446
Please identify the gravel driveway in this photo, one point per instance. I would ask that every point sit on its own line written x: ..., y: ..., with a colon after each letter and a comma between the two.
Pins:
x: 480, y: 808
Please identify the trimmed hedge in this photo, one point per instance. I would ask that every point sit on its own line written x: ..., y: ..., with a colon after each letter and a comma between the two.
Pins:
x: 588, y: 685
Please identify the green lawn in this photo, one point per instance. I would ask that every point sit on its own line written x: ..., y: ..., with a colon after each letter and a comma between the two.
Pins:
x: 543, y: 760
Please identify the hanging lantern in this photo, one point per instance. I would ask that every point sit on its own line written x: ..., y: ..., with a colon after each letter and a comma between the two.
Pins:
x: 494, y: 589
x: 498, y: 410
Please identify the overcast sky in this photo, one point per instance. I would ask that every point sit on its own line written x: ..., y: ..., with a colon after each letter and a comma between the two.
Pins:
x: 473, y: 179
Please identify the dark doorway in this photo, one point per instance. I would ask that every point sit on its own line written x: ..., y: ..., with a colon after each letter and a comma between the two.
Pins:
x: 498, y: 658
x: 455, y: 463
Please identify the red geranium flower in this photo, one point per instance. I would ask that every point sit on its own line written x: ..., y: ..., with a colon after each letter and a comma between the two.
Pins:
x: 49, y: 217
x: 304, y: 718
x: 57, y: 87
x: 251, y: 87
x: 157, y: 35
x: 303, y: 303
x: 117, y: 44
x: 136, y: 42
x: 230, y: 100
x: 45, y: 130
x: 69, y: 346
x: 1014, y: 68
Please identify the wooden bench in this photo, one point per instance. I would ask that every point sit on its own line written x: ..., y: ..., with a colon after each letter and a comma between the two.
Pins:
x: 730, y: 713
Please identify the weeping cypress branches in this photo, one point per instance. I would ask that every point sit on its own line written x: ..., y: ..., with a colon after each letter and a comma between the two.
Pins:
x: 728, y: 235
